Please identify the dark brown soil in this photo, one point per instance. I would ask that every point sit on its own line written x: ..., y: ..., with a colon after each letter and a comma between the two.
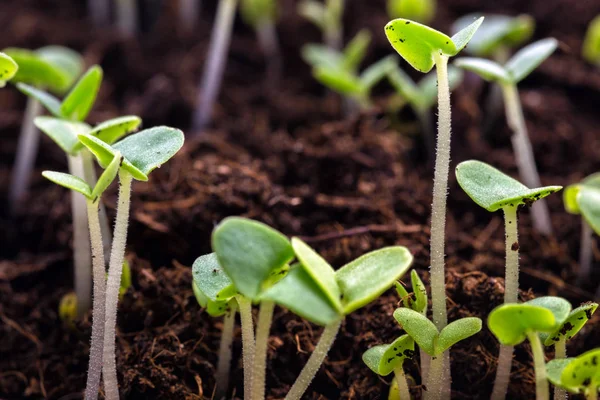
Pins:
x: 290, y: 159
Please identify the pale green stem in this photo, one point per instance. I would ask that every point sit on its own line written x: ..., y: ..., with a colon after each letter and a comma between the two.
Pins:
x: 502, y: 373
x: 542, y: 391
x: 111, y: 384
x: 524, y: 156
x: 394, y: 393
x: 215, y: 64
x: 314, y: 362
x: 27, y: 150
x: 592, y: 392
x: 224, y: 363
x: 402, y: 384
x: 99, y: 11
x: 98, y: 311
x: 248, y: 344
x: 425, y: 362
x: 189, y: 11
x: 265, y: 316
x: 435, y: 379
x: 127, y: 17
x: 585, y: 253
x: 560, y: 351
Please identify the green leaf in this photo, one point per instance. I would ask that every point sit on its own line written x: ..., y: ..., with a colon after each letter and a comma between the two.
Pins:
x: 463, y: 37
x: 456, y: 331
x: 492, y: 189
x: 589, y: 201
x: 299, y: 293
x: 572, y: 325
x: 313, y: 11
x: 211, y: 279
x: 78, y: 103
x: 403, y: 294
x: 256, y: 12
x: 63, y: 133
x: 125, y: 283
x: 366, y: 278
x: 319, y: 270
x: 420, y: 303
x: 428, y: 86
x: 112, y: 130
x: 200, y: 297
x: 488, y: 70
x: 68, y: 61
x: 511, y: 323
x: 372, y: 75
x: 554, y: 370
x: 108, y: 176
x: 496, y: 31
x: 559, y: 306
x: 417, y: 10
x: 8, y: 69
x: 249, y: 251
x: 69, y: 181
x: 421, y: 329
x: 385, y: 358
x: 356, y: 50
x: 591, y: 42
x: 583, y: 372
x: 338, y: 80
x: 318, y: 55
x: 104, y: 152
x: 51, y: 103
x: 529, y: 58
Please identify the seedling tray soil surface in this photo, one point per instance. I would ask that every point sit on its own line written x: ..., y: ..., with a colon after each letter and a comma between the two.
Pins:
x: 287, y: 158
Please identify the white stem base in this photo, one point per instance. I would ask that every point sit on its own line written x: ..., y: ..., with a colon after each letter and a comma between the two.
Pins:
x: 248, y: 344
x: 265, y: 317
x: 224, y: 364
x: 502, y: 373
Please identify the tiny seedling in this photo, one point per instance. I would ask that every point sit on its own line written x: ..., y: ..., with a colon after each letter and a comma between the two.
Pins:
x: 493, y: 190
x: 423, y: 48
x: 339, y: 70
x: 579, y: 375
x: 92, y: 197
x: 584, y: 199
x: 142, y: 153
x: 262, y: 16
x: 422, y: 11
x: 591, y: 42
x: 387, y: 358
x: 55, y: 68
x: 215, y: 64
x: 315, y: 291
x: 327, y: 17
x: 508, y: 76
x: 8, y: 69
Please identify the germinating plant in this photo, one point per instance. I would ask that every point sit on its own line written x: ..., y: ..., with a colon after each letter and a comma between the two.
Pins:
x: 493, y: 190
x: 327, y: 16
x: 579, y: 375
x: 508, y: 76
x: 591, y: 42
x: 215, y: 63
x: 142, y: 153
x: 387, y: 358
x: 423, y: 48
x: 422, y: 11
x: 8, y: 69
x: 54, y: 68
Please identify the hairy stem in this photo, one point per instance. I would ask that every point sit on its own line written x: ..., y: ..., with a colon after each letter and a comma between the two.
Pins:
x: 82, y: 261
x: 267, y: 40
x: 435, y: 380
x: 524, y: 156
x: 560, y: 351
x: 215, y: 64
x: 99, y: 12
x: 27, y: 149
x: 402, y: 384
x: 541, y: 382
x: 265, y: 317
x: 224, y: 365
x: 314, y: 362
x: 188, y: 13
x: 127, y: 17
x: 502, y: 373
x: 111, y: 384
x: 585, y: 253
x: 98, y: 311
x: 511, y: 279
x: 425, y: 362
x: 248, y: 344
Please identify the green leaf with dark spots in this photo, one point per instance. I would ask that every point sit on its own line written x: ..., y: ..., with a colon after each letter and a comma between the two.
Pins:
x: 384, y: 359
x: 571, y: 325
x: 583, y: 373
x: 211, y: 279
x: 69, y: 181
x: 8, y: 69
x: 554, y: 370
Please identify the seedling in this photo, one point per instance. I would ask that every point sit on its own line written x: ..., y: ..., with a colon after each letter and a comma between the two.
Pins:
x: 215, y: 64
x: 8, y: 69
x: 422, y: 11
x: 423, y: 48
x: 142, y: 153
x: 591, y: 42
x: 583, y: 199
x: 55, y: 68
x: 577, y: 375
x: 262, y: 16
x: 513, y: 72
x: 493, y: 190
x: 315, y: 291
x: 327, y: 17
x: 92, y: 197
x: 387, y: 358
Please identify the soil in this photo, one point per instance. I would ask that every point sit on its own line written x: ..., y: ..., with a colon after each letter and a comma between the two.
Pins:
x: 291, y: 159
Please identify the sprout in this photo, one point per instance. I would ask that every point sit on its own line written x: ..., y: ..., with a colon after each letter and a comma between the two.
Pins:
x: 142, y: 153
x: 422, y: 11
x: 513, y: 323
x: 327, y: 17
x: 315, y: 291
x: 577, y: 375
x: 514, y: 71
x: 339, y: 70
x: 262, y: 16
x: 493, y: 190
x: 591, y: 42
x: 423, y: 48
x: 583, y: 199
x: 215, y: 64
x: 387, y: 358
x: 55, y: 68
x: 8, y: 69
x: 92, y: 197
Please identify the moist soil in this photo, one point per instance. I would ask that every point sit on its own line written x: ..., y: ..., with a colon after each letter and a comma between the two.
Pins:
x: 286, y: 155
